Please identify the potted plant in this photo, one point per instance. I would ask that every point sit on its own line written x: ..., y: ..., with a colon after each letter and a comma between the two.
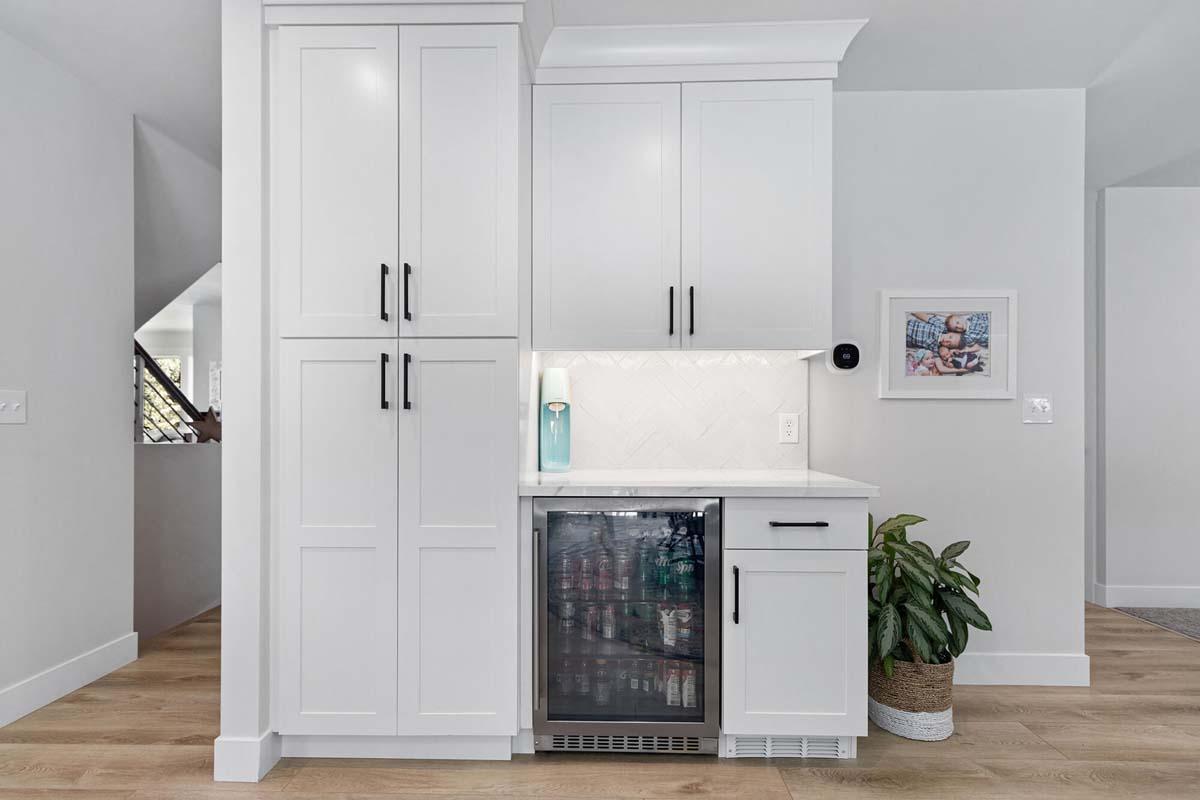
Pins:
x: 920, y: 611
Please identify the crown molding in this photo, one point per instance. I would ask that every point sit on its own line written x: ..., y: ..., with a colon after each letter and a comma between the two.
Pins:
x: 808, y: 49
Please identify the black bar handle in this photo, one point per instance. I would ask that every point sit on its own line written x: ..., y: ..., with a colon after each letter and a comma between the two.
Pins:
x: 691, y: 311
x: 383, y: 273
x: 383, y: 362
x: 775, y: 524
x: 407, y: 275
x: 737, y: 592
x: 671, y: 312
x: 407, y: 361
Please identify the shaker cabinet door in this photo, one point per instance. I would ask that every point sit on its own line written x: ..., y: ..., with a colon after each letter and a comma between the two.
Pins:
x: 458, y: 196
x: 606, y: 217
x: 337, y: 537
x: 458, y: 570
x: 794, y: 628
x: 337, y: 180
x: 757, y: 218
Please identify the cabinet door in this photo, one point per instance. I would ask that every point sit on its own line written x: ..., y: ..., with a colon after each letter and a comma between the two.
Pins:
x: 757, y: 220
x: 458, y: 538
x: 459, y: 189
x: 795, y: 660
x: 337, y: 537
x: 606, y: 217
x: 337, y: 180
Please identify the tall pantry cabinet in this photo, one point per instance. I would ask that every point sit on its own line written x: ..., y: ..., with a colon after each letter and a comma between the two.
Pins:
x: 394, y: 215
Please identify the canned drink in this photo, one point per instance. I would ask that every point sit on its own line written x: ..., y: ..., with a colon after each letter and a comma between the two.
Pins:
x: 674, y: 684
x: 591, y: 622
x: 608, y: 622
x: 689, y: 687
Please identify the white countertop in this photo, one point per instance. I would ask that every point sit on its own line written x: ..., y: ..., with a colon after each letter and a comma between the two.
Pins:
x: 692, y: 483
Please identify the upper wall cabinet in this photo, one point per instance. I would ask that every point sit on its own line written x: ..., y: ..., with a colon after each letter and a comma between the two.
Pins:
x: 396, y: 174
x: 757, y: 218
x: 606, y: 217
x: 695, y: 216
x: 458, y: 168
x: 337, y: 180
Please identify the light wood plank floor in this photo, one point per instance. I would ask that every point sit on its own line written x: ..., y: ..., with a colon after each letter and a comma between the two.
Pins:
x: 145, y: 733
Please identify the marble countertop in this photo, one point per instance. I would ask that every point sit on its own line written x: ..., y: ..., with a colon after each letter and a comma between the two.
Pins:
x: 692, y: 483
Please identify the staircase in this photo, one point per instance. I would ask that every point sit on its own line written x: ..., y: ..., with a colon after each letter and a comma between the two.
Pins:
x: 163, y: 414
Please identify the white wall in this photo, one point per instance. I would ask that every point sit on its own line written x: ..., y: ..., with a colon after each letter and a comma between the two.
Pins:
x: 206, y: 349
x: 684, y: 409
x: 177, y: 524
x: 66, y: 324
x: 178, y: 219
x: 1152, y: 448
x: 962, y: 190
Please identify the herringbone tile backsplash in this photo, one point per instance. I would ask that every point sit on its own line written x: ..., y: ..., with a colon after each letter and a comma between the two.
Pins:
x: 684, y: 410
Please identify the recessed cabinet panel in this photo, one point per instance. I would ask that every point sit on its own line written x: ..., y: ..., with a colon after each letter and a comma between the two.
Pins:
x: 459, y: 192
x: 458, y: 538
x: 337, y: 536
x: 795, y: 658
x: 337, y: 180
x: 606, y: 217
x: 757, y: 221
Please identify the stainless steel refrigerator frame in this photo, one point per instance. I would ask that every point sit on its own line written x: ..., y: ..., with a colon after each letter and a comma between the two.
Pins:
x: 711, y: 508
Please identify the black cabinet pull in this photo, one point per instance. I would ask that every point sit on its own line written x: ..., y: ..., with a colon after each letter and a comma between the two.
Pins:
x: 383, y: 362
x: 671, y: 312
x: 407, y: 361
x: 407, y: 275
x: 691, y: 311
x: 737, y: 592
x: 775, y: 524
x: 383, y: 273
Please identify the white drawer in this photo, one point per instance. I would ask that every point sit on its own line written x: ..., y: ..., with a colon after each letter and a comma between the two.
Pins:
x: 795, y: 523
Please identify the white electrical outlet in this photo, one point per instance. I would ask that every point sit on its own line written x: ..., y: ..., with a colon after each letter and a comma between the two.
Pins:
x: 789, y: 428
x: 1038, y: 409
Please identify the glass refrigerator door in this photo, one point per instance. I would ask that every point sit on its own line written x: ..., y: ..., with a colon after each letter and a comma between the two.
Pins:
x: 625, y: 616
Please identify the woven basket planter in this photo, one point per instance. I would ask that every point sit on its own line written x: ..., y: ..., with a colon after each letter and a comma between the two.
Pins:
x: 916, y: 702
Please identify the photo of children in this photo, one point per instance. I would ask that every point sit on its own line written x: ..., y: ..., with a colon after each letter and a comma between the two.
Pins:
x: 938, y: 344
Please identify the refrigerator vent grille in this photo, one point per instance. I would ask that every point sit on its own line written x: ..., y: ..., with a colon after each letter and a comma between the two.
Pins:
x: 790, y: 747
x: 625, y: 744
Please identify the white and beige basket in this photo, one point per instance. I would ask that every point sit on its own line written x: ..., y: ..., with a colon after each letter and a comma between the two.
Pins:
x: 916, y: 702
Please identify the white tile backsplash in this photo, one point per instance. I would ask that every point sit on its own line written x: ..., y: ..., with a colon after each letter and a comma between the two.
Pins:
x: 681, y: 410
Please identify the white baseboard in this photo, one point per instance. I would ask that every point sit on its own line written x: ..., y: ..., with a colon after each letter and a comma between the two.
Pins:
x: 522, y: 743
x: 1022, y: 669
x: 29, y: 695
x: 1147, y: 596
x: 469, y: 748
x: 245, y: 759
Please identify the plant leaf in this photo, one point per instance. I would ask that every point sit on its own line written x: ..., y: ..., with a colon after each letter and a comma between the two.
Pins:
x: 899, y: 522
x: 888, y: 631
x: 917, y: 558
x: 889, y: 665
x: 958, y: 636
x: 921, y: 644
x: 870, y: 529
x: 975, y: 578
x: 883, y: 581
x: 928, y: 620
x: 926, y: 549
x: 919, y: 588
x: 964, y: 608
x: 955, y: 550
x: 911, y: 571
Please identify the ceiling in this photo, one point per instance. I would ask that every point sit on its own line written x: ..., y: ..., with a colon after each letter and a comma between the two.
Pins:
x: 159, y: 59
x: 177, y: 315
x: 925, y: 44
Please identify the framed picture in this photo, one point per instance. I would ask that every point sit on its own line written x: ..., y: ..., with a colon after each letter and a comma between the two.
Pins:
x: 948, y: 344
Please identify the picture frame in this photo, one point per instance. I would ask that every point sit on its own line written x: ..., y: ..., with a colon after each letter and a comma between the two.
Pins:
x: 948, y: 344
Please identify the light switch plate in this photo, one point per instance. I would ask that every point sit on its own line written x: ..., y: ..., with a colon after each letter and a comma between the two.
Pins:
x: 1038, y: 409
x: 12, y: 407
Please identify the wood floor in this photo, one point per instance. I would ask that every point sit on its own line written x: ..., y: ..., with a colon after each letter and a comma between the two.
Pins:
x: 146, y: 732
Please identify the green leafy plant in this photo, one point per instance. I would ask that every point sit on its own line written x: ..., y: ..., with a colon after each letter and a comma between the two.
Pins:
x: 918, y: 602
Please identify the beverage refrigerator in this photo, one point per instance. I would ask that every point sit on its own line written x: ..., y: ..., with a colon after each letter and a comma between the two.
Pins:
x: 627, y: 624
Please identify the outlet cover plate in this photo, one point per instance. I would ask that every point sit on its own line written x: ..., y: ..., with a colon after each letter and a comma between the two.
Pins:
x: 789, y: 428
x: 12, y: 407
x: 1038, y: 409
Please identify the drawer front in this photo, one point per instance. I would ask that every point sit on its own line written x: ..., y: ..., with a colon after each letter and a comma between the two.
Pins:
x: 795, y: 523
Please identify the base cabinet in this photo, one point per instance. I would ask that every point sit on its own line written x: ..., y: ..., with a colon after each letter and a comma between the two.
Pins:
x: 397, y: 504
x: 794, y: 659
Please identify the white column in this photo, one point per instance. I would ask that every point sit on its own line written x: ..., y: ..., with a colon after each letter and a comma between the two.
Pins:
x: 246, y: 749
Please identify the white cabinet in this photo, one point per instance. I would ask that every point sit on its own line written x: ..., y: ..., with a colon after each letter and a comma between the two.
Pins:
x: 458, y: 218
x: 337, y: 180
x: 757, y: 214
x: 794, y: 651
x: 337, y: 537
x: 606, y: 217
x: 458, y: 538
x: 396, y: 173
x: 695, y: 216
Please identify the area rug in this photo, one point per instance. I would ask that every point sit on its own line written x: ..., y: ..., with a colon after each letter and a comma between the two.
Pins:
x: 1180, y: 620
